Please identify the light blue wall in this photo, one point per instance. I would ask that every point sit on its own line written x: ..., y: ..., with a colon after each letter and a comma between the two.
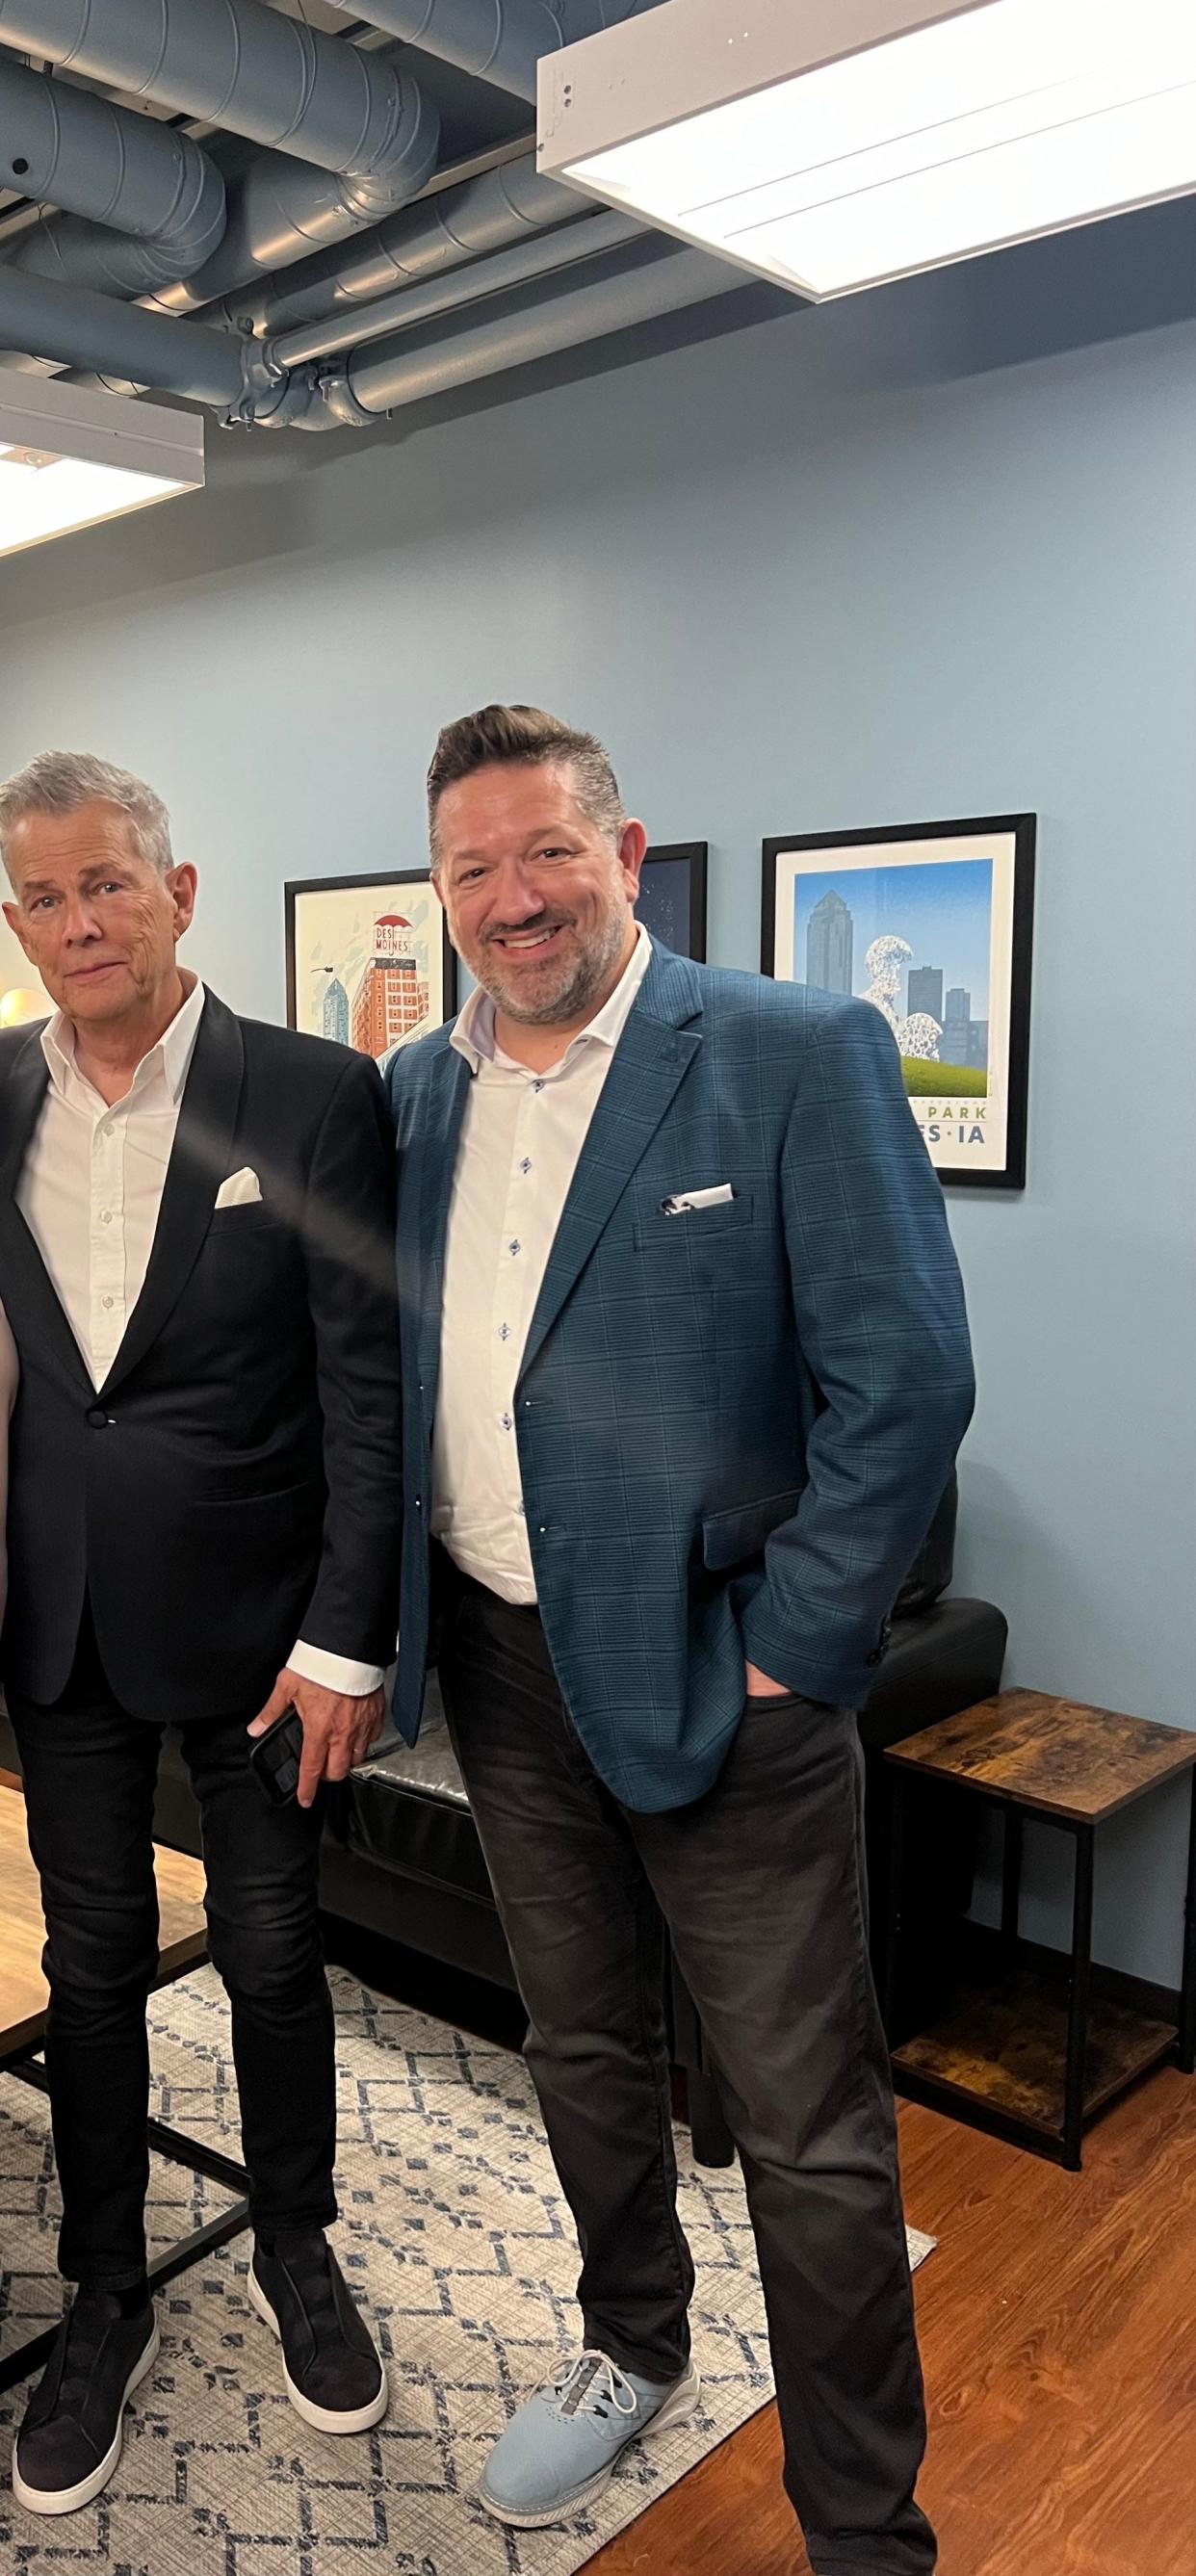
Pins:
x: 925, y: 553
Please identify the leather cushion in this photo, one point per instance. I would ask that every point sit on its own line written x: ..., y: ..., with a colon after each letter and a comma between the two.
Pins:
x: 408, y: 1810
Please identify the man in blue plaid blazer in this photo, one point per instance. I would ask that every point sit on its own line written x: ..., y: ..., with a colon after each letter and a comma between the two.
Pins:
x: 687, y: 1365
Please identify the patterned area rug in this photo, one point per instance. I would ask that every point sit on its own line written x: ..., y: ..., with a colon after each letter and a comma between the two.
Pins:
x: 454, y: 2233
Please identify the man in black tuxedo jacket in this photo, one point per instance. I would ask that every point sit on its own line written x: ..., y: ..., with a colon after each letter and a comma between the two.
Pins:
x: 197, y: 1264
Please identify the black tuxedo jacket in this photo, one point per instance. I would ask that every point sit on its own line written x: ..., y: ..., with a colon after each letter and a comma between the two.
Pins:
x: 235, y: 1482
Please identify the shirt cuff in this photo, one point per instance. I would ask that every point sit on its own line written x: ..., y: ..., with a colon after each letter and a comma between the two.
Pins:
x: 336, y: 1672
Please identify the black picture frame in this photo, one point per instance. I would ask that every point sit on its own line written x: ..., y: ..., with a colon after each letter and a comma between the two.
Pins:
x: 680, y: 922
x: 389, y: 887
x: 1013, y: 838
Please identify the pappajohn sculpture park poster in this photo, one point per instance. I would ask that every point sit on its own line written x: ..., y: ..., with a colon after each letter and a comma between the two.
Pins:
x: 931, y: 926
x: 367, y: 960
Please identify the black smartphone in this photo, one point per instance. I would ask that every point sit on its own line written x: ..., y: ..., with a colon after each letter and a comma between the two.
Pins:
x: 276, y: 1756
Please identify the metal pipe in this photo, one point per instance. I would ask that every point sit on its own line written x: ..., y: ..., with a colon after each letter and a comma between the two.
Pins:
x: 516, y: 266
x: 483, y: 214
x: 416, y: 365
x: 71, y: 327
x: 74, y: 328
x: 499, y: 40
x: 141, y: 202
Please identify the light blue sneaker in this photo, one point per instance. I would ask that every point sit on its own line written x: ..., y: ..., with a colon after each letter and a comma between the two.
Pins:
x: 559, y: 2450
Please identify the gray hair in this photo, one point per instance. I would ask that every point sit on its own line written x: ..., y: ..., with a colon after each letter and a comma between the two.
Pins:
x: 58, y: 782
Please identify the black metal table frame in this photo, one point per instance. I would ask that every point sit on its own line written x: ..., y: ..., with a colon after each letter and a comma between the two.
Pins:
x: 1066, y: 2143
x: 23, y: 2062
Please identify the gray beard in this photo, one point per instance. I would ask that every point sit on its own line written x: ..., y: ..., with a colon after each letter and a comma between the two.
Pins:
x: 577, y: 987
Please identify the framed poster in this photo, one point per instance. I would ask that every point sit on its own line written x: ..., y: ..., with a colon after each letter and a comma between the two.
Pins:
x: 933, y: 924
x: 368, y: 960
x: 672, y: 896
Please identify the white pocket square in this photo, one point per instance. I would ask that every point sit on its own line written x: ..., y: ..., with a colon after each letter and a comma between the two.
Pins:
x: 241, y: 1189
x: 688, y: 1202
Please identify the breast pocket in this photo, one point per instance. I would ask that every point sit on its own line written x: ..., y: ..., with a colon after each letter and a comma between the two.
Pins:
x: 701, y: 1245
x: 228, y: 1223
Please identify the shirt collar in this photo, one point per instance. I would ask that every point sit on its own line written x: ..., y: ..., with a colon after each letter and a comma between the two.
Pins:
x: 473, y: 1036
x: 172, y: 1054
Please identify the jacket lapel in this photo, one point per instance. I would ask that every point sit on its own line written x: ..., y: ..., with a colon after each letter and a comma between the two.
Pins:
x: 27, y: 1290
x: 447, y: 1094
x: 200, y: 1160
x: 651, y: 1060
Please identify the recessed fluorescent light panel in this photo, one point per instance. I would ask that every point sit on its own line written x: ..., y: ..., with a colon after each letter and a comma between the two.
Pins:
x: 69, y: 457
x: 832, y: 144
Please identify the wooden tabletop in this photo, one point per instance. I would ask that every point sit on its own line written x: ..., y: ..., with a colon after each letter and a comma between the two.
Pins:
x: 23, y: 1994
x: 1052, y: 1757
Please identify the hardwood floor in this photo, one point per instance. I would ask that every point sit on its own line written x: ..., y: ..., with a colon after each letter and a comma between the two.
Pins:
x: 1057, y: 2331
x: 23, y: 1991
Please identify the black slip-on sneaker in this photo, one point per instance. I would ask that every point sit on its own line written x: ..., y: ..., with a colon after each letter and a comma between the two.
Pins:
x: 332, y: 2368
x: 70, y: 2439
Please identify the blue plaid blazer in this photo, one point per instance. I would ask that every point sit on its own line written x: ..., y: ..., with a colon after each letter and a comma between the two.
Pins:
x: 734, y: 1425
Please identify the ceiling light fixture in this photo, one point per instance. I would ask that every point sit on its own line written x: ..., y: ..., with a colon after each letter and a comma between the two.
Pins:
x: 70, y: 457
x: 833, y: 144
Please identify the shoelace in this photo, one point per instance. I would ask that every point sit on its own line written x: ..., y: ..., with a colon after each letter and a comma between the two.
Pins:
x: 591, y: 2385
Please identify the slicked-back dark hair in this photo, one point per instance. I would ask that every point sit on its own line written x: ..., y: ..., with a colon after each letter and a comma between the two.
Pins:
x: 526, y: 738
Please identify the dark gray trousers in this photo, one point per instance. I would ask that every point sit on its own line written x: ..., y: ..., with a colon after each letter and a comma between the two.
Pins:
x: 761, y: 1884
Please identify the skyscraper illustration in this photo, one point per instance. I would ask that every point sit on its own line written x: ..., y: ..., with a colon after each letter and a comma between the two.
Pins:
x: 956, y: 1024
x: 392, y: 997
x: 336, y: 1009
x: 830, y: 944
x: 926, y: 991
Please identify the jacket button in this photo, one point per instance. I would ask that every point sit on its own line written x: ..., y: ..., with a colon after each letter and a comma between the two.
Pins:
x: 98, y: 1419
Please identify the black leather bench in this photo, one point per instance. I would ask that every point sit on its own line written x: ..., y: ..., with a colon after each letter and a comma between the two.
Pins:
x: 401, y: 1858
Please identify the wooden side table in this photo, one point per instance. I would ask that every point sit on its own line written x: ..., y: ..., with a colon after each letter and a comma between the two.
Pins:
x: 1034, y: 2068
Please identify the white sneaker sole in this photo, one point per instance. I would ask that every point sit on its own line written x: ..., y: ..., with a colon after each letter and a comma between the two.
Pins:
x: 71, y: 2499
x: 677, y: 2409
x: 323, y: 2419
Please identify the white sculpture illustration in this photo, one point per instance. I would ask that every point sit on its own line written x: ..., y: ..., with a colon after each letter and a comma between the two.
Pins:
x: 917, y: 1035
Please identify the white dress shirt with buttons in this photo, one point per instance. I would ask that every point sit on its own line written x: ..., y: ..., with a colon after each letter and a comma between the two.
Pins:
x: 521, y: 1138
x: 91, y: 1193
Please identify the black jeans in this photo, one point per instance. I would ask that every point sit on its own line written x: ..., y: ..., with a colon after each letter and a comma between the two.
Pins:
x: 761, y: 1885
x: 89, y: 1773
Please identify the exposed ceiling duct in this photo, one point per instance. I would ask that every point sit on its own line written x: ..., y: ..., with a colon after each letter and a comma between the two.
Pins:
x: 236, y: 63
x: 479, y: 277
x: 72, y: 327
x: 518, y: 265
x: 508, y: 204
x: 417, y: 364
x: 280, y: 211
x: 245, y: 380
x: 369, y: 131
x: 502, y: 40
x: 144, y: 204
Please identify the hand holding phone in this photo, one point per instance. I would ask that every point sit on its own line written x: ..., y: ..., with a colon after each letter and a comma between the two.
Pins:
x: 276, y: 1757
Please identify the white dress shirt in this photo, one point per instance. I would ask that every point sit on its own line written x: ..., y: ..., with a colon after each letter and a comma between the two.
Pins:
x: 91, y: 1194
x: 92, y: 1184
x: 8, y: 1389
x: 521, y: 1137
